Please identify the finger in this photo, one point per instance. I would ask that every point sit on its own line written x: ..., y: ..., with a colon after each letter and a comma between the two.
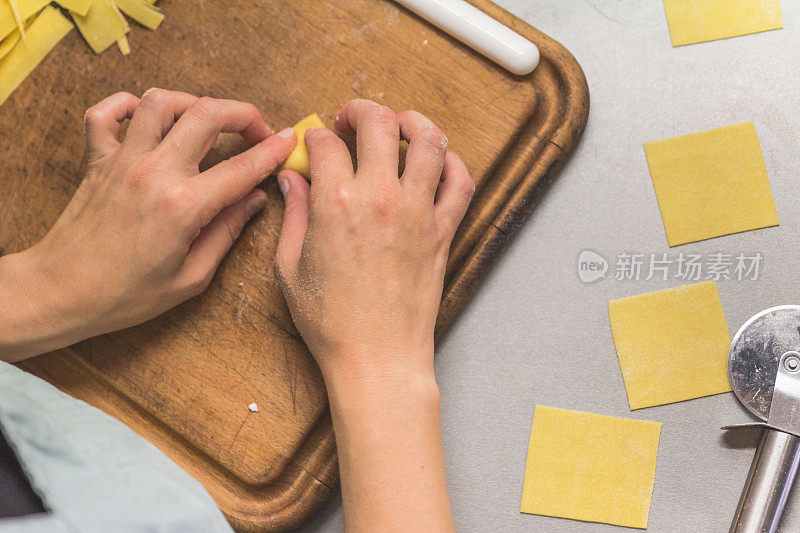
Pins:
x: 454, y: 196
x: 229, y: 181
x: 216, y: 239
x: 197, y: 129
x: 328, y: 157
x: 295, y: 222
x: 102, y: 122
x: 377, y: 137
x: 427, y: 146
x: 157, y: 112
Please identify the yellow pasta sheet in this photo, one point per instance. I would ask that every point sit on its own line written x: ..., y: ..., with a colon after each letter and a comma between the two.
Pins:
x: 697, y: 21
x: 81, y: 7
x: 7, y: 44
x: 298, y: 159
x: 672, y: 345
x: 43, y: 34
x: 711, y: 183
x: 27, y: 8
x: 102, y: 26
x: 142, y: 12
x: 590, y: 467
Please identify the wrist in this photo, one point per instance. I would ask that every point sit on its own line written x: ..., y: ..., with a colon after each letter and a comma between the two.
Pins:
x: 34, y: 316
x: 362, y: 376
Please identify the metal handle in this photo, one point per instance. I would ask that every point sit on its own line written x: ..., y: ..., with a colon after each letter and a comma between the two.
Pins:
x: 768, y: 484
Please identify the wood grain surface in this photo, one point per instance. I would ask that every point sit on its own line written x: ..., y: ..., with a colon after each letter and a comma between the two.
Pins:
x: 184, y: 380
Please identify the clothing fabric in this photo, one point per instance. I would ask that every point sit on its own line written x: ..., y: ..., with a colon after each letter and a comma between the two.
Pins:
x: 93, y: 473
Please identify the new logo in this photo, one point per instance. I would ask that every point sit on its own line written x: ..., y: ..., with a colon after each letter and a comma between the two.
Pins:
x: 591, y: 266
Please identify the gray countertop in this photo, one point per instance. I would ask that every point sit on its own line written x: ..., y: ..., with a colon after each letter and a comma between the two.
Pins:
x: 536, y: 334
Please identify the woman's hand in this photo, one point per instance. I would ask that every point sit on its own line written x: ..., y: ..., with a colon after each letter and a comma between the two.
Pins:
x: 146, y: 229
x: 362, y: 254
x: 362, y: 260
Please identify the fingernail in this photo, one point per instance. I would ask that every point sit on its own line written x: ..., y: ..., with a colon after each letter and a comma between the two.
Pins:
x: 255, y: 204
x: 283, y: 183
x: 286, y: 132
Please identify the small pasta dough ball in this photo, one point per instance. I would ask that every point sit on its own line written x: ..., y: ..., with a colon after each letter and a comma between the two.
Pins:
x: 298, y: 159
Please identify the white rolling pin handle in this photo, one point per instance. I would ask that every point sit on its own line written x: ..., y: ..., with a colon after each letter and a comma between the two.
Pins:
x: 479, y: 31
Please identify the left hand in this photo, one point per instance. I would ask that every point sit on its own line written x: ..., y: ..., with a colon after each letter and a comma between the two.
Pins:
x: 146, y: 229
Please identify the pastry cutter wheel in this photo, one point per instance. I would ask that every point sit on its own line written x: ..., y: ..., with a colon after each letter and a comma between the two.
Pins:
x: 764, y: 369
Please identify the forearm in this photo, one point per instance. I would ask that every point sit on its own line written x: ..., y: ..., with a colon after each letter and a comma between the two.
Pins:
x: 361, y: 261
x: 388, y: 436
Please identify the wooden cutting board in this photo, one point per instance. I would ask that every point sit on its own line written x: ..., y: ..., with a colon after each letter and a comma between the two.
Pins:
x: 184, y: 380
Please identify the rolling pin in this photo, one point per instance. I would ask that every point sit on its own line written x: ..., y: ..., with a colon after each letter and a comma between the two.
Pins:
x: 480, y: 32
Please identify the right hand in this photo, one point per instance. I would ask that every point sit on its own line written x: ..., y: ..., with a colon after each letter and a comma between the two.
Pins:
x: 362, y: 253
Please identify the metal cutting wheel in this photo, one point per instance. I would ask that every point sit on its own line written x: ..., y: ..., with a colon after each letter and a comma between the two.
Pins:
x: 764, y: 370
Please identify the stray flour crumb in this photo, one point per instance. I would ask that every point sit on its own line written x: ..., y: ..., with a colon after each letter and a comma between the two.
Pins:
x: 425, y: 42
x: 253, y: 407
x: 241, y: 284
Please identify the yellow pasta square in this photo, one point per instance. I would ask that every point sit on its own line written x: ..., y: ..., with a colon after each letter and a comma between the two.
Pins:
x: 711, y: 183
x: 672, y: 345
x: 590, y: 467
x: 697, y: 21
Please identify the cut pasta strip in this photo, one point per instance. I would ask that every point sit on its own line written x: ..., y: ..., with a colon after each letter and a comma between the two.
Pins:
x: 81, y: 7
x: 124, y: 45
x: 102, y: 26
x: 8, y: 43
x: 18, y: 18
x: 142, y: 12
x: 43, y: 34
x: 101, y: 23
x: 26, y: 8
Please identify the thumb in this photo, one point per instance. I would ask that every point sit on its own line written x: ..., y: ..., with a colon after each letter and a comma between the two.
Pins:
x: 295, y: 191
x: 215, y: 239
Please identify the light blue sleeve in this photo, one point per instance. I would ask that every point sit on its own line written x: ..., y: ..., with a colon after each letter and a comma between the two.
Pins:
x: 92, y: 472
